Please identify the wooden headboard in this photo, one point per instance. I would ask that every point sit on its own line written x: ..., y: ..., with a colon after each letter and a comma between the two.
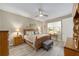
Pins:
x: 25, y: 30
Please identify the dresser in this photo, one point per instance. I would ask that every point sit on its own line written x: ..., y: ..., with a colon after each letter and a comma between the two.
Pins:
x: 70, y: 49
x: 4, y: 50
x: 18, y: 40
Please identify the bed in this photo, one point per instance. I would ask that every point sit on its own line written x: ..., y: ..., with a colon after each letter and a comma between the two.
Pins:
x: 35, y: 39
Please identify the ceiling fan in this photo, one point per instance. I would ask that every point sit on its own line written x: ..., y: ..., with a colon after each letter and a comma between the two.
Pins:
x: 41, y: 13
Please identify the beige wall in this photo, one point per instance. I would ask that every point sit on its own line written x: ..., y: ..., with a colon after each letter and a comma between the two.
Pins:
x: 44, y: 27
x: 1, y: 21
x: 67, y: 28
x: 10, y: 21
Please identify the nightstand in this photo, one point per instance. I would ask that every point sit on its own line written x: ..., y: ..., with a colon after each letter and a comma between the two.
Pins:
x: 18, y: 40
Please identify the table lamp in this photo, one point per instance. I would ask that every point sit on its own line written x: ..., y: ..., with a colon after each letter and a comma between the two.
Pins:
x: 17, y: 30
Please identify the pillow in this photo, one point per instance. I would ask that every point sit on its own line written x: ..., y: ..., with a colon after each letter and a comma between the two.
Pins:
x: 29, y: 33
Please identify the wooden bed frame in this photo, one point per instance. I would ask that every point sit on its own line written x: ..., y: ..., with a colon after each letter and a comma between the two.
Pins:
x: 38, y: 41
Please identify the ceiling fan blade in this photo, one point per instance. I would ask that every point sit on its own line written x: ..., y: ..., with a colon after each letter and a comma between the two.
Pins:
x: 36, y: 16
x: 45, y: 15
x: 42, y: 15
x: 40, y: 10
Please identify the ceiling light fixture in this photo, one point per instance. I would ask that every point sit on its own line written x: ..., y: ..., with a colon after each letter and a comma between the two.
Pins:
x: 41, y: 13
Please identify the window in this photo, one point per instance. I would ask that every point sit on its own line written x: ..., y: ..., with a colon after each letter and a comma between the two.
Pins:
x: 54, y: 27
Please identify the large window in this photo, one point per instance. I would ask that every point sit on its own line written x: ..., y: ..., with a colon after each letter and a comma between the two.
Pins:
x: 54, y: 27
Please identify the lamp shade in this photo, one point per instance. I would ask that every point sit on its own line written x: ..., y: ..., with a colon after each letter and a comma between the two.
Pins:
x: 17, y: 30
x: 51, y: 32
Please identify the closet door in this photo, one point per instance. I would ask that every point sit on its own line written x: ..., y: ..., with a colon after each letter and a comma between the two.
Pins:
x: 4, y: 50
x: 0, y: 45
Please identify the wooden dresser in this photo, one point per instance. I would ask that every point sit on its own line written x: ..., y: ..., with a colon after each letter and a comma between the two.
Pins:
x: 4, y: 50
x: 18, y: 40
x: 69, y: 49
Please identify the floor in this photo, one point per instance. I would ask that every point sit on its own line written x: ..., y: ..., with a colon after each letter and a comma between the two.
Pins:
x: 25, y: 50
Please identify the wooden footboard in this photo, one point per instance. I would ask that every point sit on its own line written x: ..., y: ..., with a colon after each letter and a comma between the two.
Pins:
x: 38, y: 42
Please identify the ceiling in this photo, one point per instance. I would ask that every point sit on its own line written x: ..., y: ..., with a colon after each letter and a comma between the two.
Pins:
x: 53, y: 10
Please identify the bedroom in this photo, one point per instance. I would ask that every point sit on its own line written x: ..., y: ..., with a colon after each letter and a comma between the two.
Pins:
x: 27, y: 19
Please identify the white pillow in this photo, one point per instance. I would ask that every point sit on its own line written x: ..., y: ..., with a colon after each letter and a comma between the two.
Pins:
x: 30, y: 33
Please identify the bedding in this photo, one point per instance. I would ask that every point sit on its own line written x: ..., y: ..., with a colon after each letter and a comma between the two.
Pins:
x: 32, y: 38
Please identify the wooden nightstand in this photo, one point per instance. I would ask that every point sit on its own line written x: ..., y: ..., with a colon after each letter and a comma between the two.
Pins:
x: 18, y: 40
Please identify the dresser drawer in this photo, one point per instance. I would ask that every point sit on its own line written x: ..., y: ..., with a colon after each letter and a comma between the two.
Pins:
x: 17, y: 41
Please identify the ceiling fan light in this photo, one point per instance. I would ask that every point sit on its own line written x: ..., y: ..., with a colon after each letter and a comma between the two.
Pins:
x: 40, y: 15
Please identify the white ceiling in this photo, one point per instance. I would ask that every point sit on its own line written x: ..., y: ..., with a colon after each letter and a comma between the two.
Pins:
x: 31, y: 9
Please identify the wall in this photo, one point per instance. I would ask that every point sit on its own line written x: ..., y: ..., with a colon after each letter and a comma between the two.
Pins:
x: 10, y: 21
x: 67, y: 28
x: 1, y: 21
x: 44, y: 27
